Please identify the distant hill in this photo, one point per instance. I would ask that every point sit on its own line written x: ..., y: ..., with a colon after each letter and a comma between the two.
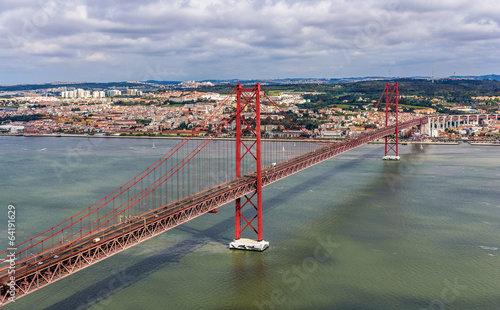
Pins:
x: 285, y: 81
x: 84, y: 85
x: 491, y: 77
x: 163, y: 82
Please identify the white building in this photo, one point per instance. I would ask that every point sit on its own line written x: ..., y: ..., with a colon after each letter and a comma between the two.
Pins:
x: 80, y: 93
x: 69, y: 94
x: 77, y: 93
x: 98, y: 94
x: 12, y: 128
x: 113, y: 92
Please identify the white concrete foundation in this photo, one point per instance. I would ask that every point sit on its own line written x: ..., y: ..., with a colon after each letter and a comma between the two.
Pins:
x: 249, y: 245
x: 391, y: 157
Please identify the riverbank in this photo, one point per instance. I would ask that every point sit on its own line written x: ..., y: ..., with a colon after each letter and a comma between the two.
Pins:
x: 401, y: 142
x: 472, y: 143
x: 419, y: 143
x: 485, y: 143
x: 65, y: 135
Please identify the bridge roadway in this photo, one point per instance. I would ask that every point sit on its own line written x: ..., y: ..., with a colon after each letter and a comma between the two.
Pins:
x: 47, y: 267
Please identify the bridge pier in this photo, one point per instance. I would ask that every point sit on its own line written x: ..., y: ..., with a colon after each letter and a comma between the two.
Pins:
x: 249, y: 245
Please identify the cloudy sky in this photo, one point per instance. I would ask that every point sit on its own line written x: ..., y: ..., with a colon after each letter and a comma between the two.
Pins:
x: 120, y: 40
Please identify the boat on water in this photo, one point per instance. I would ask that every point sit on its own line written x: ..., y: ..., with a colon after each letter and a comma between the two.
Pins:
x: 154, y: 146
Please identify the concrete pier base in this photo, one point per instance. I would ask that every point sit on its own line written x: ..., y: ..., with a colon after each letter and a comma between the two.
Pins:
x: 391, y: 157
x: 249, y: 245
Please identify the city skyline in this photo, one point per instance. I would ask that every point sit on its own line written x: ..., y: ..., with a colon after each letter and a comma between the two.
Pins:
x: 88, y: 40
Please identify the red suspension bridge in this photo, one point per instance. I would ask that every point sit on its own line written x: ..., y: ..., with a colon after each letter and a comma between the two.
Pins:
x: 195, y: 177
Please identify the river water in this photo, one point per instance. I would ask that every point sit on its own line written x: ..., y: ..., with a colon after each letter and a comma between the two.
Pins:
x: 353, y: 232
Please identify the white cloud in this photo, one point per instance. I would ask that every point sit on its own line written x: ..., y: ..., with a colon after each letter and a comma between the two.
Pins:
x: 96, y: 57
x: 204, y: 39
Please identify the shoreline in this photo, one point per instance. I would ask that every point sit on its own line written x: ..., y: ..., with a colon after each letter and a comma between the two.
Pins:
x: 134, y: 137
x: 419, y: 143
x: 484, y: 143
x: 472, y: 143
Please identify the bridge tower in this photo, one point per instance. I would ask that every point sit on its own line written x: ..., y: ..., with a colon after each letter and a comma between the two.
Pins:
x: 249, y: 100
x: 391, y: 93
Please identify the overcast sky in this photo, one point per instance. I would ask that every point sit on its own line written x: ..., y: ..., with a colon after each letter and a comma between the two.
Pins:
x: 123, y: 40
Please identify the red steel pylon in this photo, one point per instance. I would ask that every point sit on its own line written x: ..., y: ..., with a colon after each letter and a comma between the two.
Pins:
x: 391, y: 114
x: 249, y: 100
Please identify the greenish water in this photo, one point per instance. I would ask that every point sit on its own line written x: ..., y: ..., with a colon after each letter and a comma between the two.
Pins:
x: 354, y: 232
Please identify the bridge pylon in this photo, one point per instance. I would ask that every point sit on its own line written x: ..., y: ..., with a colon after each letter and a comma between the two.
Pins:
x: 248, y: 101
x: 391, y: 93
